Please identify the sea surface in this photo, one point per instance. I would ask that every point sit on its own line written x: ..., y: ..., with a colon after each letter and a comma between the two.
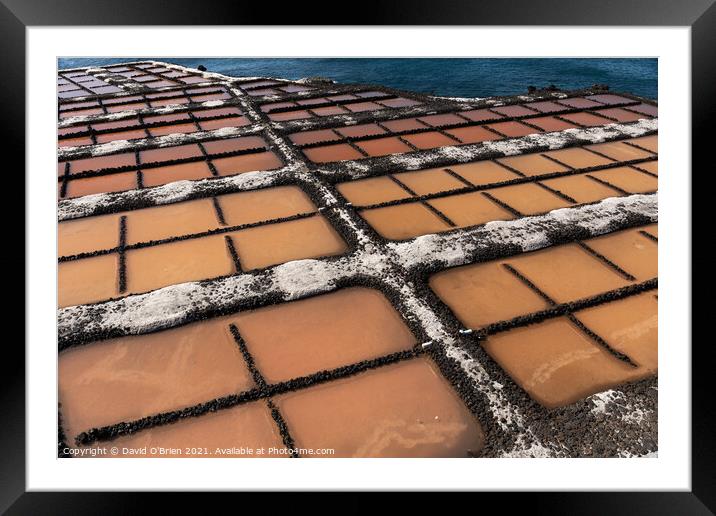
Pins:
x: 451, y: 77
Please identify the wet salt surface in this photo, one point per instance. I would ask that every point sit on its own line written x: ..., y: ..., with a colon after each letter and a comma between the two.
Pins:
x: 182, y: 218
x: 87, y: 235
x: 169, y: 173
x: 528, y: 198
x: 567, y: 273
x: 383, y: 146
x: 226, y: 433
x: 483, y: 172
x: 328, y: 153
x: 404, y: 221
x: 205, y: 257
x: 648, y: 142
x: 155, y: 267
x: 322, y: 333
x: 513, y: 129
x: 429, y: 181
x: 372, y: 191
x: 470, y: 209
x: 169, y: 221
x: 355, y: 131
x: 73, y: 208
x: 550, y: 123
x: 96, y: 163
x: 110, y: 183
x: 472, y: 134
x: 621, y: 115
x: 629, y: 325
x: 87, y: 281
x: 428, y: 140
x: 628, y: 179
x: 630, y: 250
x: 133, y: 377
x: 586, y: 119
x: 121, y: 135
x: 406, y: 409
x: 581, y: 188
x: 620, y: 151
x: 578, y: 158
x: 277, y: 243
x: 161, y: 306
x: 308, y: 137
x: 401, y: 410
x: 481, y: 294
x: 532, y: 164
x: 258, y: 205
x: 247, y: 163
x: 155, y: 173
x: 555, y: 361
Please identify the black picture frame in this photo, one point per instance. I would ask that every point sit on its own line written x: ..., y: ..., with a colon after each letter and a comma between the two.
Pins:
x: 17, y: 15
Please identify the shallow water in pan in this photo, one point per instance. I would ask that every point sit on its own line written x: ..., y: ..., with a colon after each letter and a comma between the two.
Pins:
x: 88, y: 234
x: 532, y: 164
x: 470, y: 209
x: 485, y: 293
x: 404, y: 221
x: 156, y: 176
x: 474, y: 134
x: 429, y: 181
x: 620, y: 151
x: 329, y: 153
x: 322, y: 333
x: 116, y: 182
x: 400, y: 410
x: 632, y: 251
x: 556, y: 363
x: 629, y: 325
x: 87, y: 280
x: 429, y: 140
x: 172, y: 220
x: 260, y: 205
x: 578, y: 158
x: 567, y: 272
x: 528, y: 198
x: 483, y: 172
x: 272, y: 244
x: 581, y: 188
x: 124, y: 379
x: 383, y: 146
x: 628, y: 179
x: 196, y: 259
x: 247, y: 163
x: 374, y: 190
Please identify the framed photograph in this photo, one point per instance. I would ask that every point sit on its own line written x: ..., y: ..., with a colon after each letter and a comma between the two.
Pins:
x: 422, y: 251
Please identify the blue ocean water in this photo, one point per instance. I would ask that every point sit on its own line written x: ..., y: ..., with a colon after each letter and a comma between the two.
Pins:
x: 452, y: 77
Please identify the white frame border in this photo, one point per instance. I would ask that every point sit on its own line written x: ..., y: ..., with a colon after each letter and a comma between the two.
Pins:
x: 671, y: 470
